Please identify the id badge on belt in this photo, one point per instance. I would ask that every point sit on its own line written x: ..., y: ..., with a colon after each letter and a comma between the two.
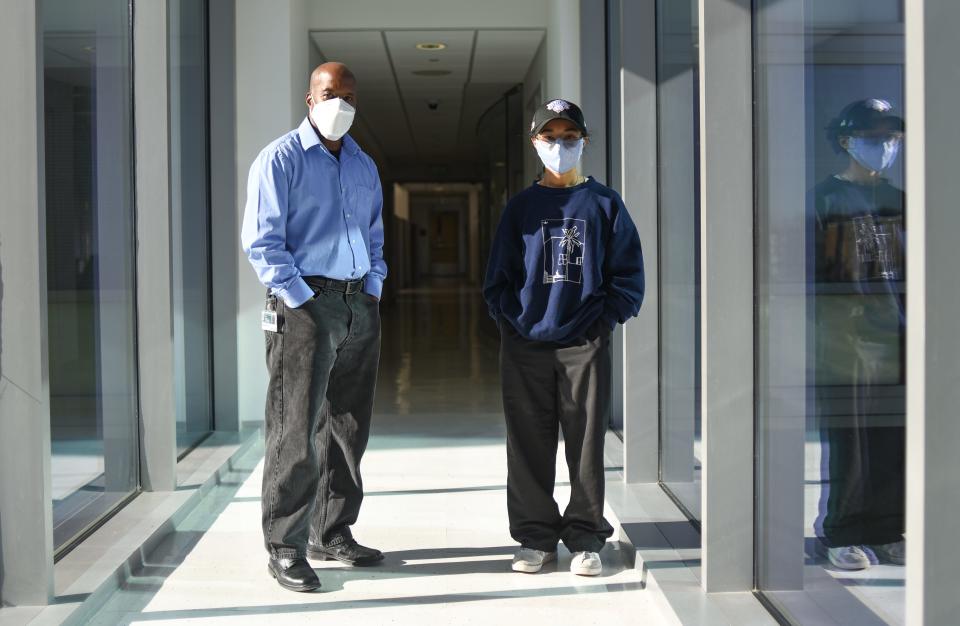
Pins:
x: 269, y: 319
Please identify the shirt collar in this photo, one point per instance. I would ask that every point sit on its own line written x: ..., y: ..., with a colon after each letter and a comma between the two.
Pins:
x: 309, y: 138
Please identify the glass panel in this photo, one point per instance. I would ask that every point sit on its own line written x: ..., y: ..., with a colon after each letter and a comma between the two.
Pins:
x: 679, y: 251
x: 189, y: 160
x: 500, y: 130
x: 90, y: 259
x: 614, y: 174
x: 830, y: 280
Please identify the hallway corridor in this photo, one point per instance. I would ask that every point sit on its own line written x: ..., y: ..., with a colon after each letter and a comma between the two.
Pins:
x: 434, y: 476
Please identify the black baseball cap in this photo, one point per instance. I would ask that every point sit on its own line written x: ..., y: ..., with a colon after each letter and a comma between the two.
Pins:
x: 554, y: 110
x: 865, y: 115
x: 872, y: 114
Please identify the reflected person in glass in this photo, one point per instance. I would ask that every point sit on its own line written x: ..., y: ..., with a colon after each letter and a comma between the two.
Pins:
x: 859, y: 323
x: 564, y: 269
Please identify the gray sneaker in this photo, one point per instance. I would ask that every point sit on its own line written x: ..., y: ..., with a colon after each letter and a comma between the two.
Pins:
x: 849, y: 557
x: 895, y: 553
x: 530, y: 561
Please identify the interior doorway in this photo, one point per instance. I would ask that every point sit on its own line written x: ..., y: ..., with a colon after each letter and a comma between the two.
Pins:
x: 436, y: 233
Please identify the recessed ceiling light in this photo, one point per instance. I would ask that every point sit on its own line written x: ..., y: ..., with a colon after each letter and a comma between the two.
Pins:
x: 431, y: 72
x: 430, y: 45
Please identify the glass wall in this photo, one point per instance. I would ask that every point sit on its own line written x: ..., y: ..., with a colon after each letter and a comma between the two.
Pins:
x: 678, y: 146
x: 830, y: 319
x: 501, y: 133
x: 190, y: 211
x: 88, y: 131
x: 614, y: 171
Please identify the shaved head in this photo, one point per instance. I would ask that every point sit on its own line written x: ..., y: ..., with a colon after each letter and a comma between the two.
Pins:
x: 331, y: 71
x: 332, y: 80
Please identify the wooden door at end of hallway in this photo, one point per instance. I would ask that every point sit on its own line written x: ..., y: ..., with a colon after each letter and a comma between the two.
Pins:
x: 444, y: 242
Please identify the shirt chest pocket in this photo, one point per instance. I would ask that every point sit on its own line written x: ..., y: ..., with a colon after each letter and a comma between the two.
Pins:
x: 361, y: 200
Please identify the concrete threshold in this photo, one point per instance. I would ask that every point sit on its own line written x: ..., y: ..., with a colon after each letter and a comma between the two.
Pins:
x: 103, y: 562
x: 666, y: 550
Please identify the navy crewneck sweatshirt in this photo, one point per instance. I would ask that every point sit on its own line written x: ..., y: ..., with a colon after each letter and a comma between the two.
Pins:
x: 562, y: 258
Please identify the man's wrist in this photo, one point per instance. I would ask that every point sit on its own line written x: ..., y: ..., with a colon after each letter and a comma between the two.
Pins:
x: 373, y: 286
x: 296, y: 294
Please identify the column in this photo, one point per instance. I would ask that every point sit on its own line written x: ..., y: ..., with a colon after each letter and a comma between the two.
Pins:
x: 158, y: 435
x: 224, y: 218
x: 726, y: 183
x: 26, y: 511
x: 933, y: 302
x: 639, y: 365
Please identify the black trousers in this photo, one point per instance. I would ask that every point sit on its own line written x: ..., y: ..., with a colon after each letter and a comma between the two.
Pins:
x: 867, y: 467
x: 548, y: 387
x: 323, y: 371
x: 865, y: 448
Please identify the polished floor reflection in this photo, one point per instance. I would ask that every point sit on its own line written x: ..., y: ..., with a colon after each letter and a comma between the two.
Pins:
x: 436, y: 504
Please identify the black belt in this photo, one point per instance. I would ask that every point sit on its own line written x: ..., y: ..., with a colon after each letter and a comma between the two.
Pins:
x: 344, y: 286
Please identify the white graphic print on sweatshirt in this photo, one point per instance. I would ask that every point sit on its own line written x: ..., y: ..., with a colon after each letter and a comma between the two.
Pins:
x: 563, y: 250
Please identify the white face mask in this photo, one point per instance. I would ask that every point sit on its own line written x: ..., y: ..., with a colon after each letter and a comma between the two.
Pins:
x: 875, y: 154
x: 332, y: 117
x: 560, y: 155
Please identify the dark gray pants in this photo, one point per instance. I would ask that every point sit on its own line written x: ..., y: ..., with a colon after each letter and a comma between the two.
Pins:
x: 548, y: 387
x: 323, y: 371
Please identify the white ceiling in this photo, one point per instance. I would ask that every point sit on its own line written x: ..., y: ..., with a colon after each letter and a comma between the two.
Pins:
x: 479, y: 67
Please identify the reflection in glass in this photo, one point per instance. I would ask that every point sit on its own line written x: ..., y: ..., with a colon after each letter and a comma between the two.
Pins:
x: 679, y: 251
x: 90, y: 260
x: 858, y: 325
x: 189, y: 159
x: 500, y: 131
x: 831, y: 317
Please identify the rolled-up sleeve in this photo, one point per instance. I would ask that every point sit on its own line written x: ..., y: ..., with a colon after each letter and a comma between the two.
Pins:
x: 373, y: 284
x: 264, y: 231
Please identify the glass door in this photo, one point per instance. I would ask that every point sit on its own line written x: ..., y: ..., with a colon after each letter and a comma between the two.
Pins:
x: 679, y: 176
x: 190, y: 212
x: 88, y: 130
x: 830, y: 262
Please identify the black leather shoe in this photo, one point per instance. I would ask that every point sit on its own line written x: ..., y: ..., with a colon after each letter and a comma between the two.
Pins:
x: 347, y: 552
x: 294, y: 574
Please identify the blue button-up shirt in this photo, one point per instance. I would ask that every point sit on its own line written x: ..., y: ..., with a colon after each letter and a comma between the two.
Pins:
x: 311, y: 214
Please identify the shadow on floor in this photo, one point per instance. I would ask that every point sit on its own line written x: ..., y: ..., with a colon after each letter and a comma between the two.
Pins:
x: 421, y: 600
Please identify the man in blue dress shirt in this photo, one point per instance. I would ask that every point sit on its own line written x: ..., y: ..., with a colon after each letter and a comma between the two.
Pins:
x: 313, y: 231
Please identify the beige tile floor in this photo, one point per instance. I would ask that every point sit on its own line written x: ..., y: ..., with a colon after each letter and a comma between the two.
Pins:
x: 436, y: 504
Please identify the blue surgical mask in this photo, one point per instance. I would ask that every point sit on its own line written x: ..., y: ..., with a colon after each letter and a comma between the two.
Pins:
x: 559, y: 155
x: 874, y: 153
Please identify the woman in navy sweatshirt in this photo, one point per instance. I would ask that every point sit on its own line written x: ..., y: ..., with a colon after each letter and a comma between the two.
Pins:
x: 565, y: 267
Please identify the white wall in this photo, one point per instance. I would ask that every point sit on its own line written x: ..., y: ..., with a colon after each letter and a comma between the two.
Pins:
x: 563, y: 50
x: 272, y: 49
x: 301, y: 55
x: 555, y: 69
x: 593, y: 85
x: 535, y: 91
